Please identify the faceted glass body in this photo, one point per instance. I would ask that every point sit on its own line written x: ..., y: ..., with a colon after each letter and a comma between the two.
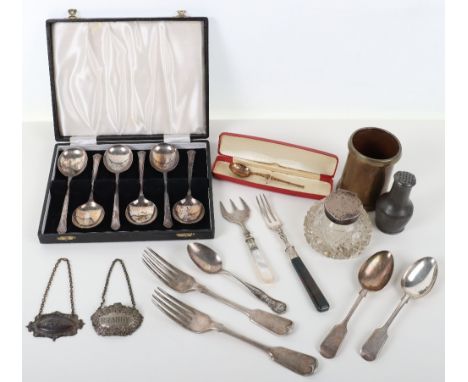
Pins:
x: 333, y: 240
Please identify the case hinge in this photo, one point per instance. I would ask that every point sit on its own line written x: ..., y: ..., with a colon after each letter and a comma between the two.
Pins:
x: 176, y: 138
x: 83, y: 140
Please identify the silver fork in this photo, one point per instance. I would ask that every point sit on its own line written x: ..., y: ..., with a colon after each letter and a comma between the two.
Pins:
x: 199, y: 322
x: 274, y: 223
x: 182, y: 282
x: 240, y: 216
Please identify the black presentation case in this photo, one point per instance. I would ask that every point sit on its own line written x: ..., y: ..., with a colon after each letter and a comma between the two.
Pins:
x: 129, y: 185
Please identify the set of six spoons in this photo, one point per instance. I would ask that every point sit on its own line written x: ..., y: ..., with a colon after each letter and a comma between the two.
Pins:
x: 117, y: 159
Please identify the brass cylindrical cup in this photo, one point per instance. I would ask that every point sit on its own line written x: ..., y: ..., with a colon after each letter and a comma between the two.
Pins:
x: 372, y: 154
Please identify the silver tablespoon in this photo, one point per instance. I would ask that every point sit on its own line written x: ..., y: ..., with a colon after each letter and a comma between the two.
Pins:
x: 117, y: 159
x: 210, y: 262
x: 189, y: 210
x: 416, y: 282
x: 164, y: 157
x: 373, y: 275
x: 141, y: 211
x: 89, y: 214
x: 70, y: 163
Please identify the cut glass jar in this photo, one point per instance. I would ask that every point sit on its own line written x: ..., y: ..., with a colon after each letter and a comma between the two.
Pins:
x: 338, y: 227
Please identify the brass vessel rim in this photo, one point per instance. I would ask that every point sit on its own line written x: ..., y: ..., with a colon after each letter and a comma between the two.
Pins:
x: 375, y: 161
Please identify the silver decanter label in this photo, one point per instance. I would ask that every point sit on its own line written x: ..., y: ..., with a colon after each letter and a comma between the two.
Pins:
x: 55, y: 325
x: 116, y: 320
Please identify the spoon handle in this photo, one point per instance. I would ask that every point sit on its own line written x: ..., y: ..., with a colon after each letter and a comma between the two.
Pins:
x: 141, y: 168
x: 115, y: 224
x: 333, y: 340
x: 96, y: 161
x: 377, y: 339
x: 275, y: 305
x: 167, y: 221
x: 191, y: 161
x: 62, y: 227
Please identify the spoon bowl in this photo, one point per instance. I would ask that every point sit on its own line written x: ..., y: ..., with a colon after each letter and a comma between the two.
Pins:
x: 205, y: 258
x: 118, y: 159
x: 88, y: 215
x: 72, y: 162
x: 210, y: 262
x: 376, y: 271
x: 420, y: 277
x: 240, y: 170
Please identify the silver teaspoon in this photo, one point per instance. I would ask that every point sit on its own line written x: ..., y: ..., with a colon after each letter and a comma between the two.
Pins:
x: 189, y: 210
x: 210, y: 262
x: 141, y: 211
x: 89, y: 214
x: 373, y: 275
x: 71, y: 162
x: 117, y: 159
x: 164, y: 158
x: 416, y: 282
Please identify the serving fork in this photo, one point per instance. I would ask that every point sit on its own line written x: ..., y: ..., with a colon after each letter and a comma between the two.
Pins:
x: 240, y: 216
x: 199, y: 322
x: 182, y: 282
x: 274, y: 223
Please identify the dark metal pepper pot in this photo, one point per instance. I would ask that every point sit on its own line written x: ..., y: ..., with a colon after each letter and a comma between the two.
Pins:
x: 394, y: 209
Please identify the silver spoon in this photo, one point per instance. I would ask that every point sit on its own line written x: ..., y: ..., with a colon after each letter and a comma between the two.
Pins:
x: 244, y: 171
x: 141, y: 211
x: 71, y: 162
x: 189, y: 210
x: 164, y: 157
x: 210, y: 262
x: 117, y: 159
x: 373, y: 275
x: 416, y: 282
x: 89, y: 214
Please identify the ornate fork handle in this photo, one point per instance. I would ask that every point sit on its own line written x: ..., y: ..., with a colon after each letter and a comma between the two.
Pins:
x: 261, y: 263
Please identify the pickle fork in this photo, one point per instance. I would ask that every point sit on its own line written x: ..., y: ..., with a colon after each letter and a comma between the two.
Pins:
x: 240, y: 216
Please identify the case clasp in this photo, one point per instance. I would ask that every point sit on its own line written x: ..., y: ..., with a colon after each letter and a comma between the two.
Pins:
x: 181, y: 13
x: 176, y: 138
x: 72, y: 13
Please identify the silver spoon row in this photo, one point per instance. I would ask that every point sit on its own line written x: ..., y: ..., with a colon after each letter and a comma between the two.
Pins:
x: 118, y: 159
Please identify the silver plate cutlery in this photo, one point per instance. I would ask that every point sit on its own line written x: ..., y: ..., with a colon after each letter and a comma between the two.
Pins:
x: 182, y: 282
x: 199, y: 322
x: 274, y: 223
x: 240, y: 217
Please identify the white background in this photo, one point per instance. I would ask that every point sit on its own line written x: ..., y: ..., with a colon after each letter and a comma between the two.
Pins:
x: 286, y: 59
x: 161, y: 350
x: 343, y: 59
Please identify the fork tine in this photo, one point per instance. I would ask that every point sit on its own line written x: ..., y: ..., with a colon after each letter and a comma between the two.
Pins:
x: 223, y: 209
x: 171, y: 305
x: 270, y: 210
x: 169, y: 313
x: 157, y: 272
x: 244, y: 204
x: 161, y: 261
x: 177, y: 301
x: 262, y: 208
x: 234, y: 207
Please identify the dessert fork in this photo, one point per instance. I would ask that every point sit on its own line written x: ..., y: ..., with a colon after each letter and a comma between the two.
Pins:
x: 199, y: 322
x: 239, y: 217
x: 182, y: 282
x: 274, y: 223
